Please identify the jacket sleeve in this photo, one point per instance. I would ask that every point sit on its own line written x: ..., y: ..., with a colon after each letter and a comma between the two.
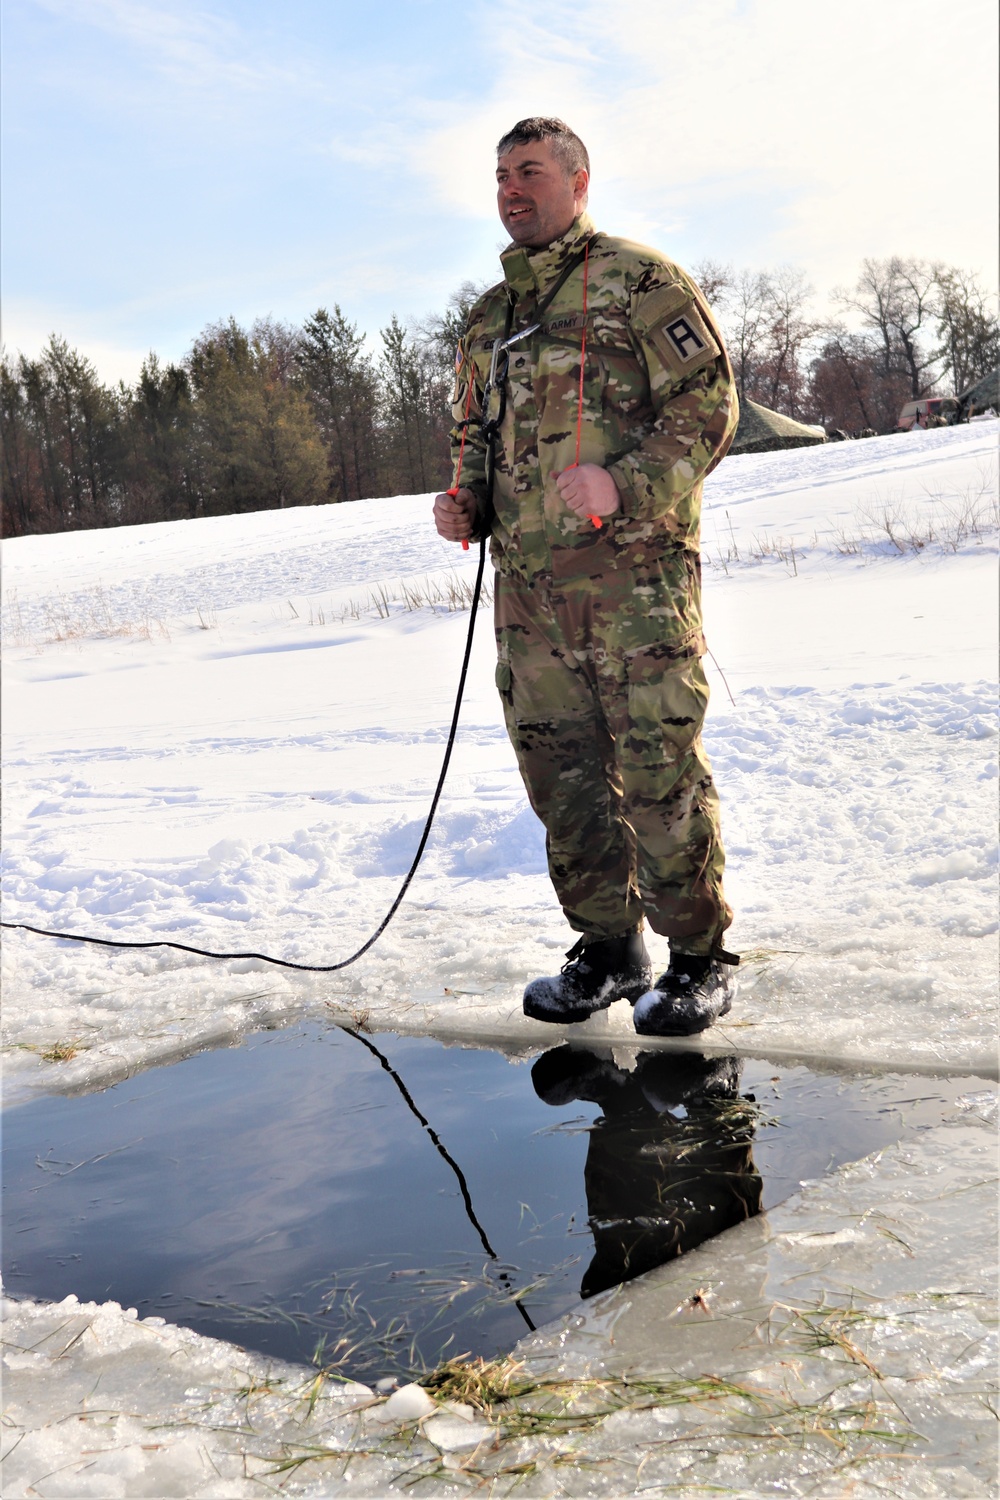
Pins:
x: 693, y: 398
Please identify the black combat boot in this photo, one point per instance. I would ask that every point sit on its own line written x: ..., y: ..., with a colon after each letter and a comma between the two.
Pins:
x: 692, y: 995
x: 597, y: 972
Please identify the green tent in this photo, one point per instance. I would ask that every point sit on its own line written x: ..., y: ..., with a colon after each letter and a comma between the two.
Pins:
x: 762, y: 430
x: 980, y: 396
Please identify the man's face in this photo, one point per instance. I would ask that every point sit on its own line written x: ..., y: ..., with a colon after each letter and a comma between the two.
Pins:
x: 537, y: 199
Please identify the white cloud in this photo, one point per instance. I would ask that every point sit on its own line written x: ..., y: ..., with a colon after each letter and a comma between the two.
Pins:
x: 862, y: 130
x: 194, y: 47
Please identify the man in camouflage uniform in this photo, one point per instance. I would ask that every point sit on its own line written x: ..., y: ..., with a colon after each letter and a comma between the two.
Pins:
x: 598, y: 612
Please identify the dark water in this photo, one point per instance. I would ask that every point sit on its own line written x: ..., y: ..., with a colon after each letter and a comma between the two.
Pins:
x: 391, y: 1201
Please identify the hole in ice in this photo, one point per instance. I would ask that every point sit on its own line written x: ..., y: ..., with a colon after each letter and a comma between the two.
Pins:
x: 389, y: 1201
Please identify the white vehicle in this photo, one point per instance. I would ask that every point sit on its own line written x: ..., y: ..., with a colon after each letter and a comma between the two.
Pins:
x: 921, y: 413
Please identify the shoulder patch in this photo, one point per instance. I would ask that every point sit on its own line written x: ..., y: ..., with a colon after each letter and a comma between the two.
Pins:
x: 670, y: 319
x: 687, y: 338
x: 654, y: 307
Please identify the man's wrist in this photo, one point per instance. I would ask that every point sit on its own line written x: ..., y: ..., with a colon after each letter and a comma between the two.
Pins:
x: 628, y: 500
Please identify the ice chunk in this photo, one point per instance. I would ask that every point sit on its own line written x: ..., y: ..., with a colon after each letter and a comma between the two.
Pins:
x: 453, y: 1432
x: 408, y: 1404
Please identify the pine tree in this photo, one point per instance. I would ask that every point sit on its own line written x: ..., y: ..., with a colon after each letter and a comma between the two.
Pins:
x: 342, y: 386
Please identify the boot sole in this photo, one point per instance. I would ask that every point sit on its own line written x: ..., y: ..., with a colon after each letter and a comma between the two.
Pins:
x: 567, y: 1017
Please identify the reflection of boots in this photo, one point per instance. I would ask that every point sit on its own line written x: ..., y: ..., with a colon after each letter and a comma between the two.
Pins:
x: 670, y: 1080
x: 567, y: 1073
x: 598, y: 972
x: 668, y: 1164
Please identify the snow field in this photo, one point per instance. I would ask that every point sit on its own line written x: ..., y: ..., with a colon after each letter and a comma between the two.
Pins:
x: 245, y: 779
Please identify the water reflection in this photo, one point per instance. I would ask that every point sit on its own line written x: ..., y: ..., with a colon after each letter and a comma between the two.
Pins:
x: 670, y: 1157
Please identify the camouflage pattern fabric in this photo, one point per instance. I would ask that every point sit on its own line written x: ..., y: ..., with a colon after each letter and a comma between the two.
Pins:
x: 604, y: 709
x: 659, y: 405
x: 599, y: 630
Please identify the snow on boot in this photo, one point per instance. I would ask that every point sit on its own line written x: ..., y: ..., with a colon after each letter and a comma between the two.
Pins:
x: 692, y: 995
x: 597, y: 972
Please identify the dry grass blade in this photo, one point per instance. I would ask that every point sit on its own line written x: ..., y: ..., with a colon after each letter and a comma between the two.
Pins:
x: 826, y: 1328
x: 482, y: 1383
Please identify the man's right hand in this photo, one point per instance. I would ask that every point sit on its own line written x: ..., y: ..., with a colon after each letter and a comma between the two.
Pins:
x: 454, y: 515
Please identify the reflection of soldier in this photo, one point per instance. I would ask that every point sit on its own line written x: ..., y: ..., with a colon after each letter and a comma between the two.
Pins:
x: 669, y: 1162
x: 600, y: 363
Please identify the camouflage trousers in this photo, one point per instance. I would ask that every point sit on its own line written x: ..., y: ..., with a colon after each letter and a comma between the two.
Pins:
x: 604, y: 698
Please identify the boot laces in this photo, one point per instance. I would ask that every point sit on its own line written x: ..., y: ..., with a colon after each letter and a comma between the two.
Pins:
x: 575, y: 954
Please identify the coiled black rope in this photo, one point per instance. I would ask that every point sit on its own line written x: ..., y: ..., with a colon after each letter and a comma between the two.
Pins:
x: 286, y: 963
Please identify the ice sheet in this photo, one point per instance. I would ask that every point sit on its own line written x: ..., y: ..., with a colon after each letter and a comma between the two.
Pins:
x: 844, y: 1344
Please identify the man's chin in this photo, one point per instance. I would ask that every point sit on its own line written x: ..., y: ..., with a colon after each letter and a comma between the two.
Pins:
x: 524, y: 231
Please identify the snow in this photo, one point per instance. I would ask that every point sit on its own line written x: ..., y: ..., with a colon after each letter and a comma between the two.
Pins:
x: 221, y: 731
x: 261, y: 783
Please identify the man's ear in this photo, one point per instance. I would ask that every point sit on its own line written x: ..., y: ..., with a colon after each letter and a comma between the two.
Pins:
x: 581, y: 184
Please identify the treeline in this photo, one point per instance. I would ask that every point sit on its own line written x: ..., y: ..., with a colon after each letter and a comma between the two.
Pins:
x: 252, y: 419
x: 272, y: 415
x: 907, y: 328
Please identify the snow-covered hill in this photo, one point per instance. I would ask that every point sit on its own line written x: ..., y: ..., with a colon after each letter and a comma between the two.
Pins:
x: 226, y: 731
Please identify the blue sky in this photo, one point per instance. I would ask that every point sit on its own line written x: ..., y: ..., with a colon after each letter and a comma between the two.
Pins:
x: 166, y: 164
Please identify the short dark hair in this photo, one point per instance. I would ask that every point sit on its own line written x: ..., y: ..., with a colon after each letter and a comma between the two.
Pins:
x: 566, y: 144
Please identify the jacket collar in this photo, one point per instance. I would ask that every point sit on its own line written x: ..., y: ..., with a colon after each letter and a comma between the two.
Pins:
x: 534, y: 271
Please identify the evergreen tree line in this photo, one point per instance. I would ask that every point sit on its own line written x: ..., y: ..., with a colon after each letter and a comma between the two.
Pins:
x: 253, y: 418
x: 272, y: 415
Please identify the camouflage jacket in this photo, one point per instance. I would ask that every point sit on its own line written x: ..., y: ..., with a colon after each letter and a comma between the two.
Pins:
x: 659, y: 405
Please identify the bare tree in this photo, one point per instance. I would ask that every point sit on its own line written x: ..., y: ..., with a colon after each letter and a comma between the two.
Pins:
x: 895, y: 299
x: 781, y: 377
x: 747, y: 305
x: 714, y: 279
x: 968, y: 327
x: 848, y: 387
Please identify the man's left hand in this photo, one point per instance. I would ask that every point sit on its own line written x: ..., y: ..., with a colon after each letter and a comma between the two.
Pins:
x: 589, y: 490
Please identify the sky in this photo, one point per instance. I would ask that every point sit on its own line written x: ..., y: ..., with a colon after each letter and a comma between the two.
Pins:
x: 169, y: 163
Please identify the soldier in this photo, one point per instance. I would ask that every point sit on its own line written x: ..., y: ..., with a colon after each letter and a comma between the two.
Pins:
x: 608, y: 398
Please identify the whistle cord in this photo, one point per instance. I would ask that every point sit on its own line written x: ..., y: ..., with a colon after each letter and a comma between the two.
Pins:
x: 286, y: 963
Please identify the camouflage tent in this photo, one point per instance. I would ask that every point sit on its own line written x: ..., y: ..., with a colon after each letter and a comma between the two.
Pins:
x: 980, y: 396
x: 762, y: 430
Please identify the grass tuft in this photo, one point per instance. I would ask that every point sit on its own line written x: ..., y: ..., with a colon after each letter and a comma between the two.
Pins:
x: 482, y: 1383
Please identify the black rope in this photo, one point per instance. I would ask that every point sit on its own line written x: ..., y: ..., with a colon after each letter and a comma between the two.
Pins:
x: 286, y: 963
x: 453, y: 1164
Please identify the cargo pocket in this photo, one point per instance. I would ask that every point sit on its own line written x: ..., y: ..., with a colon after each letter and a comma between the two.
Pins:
x: 667, y: 698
